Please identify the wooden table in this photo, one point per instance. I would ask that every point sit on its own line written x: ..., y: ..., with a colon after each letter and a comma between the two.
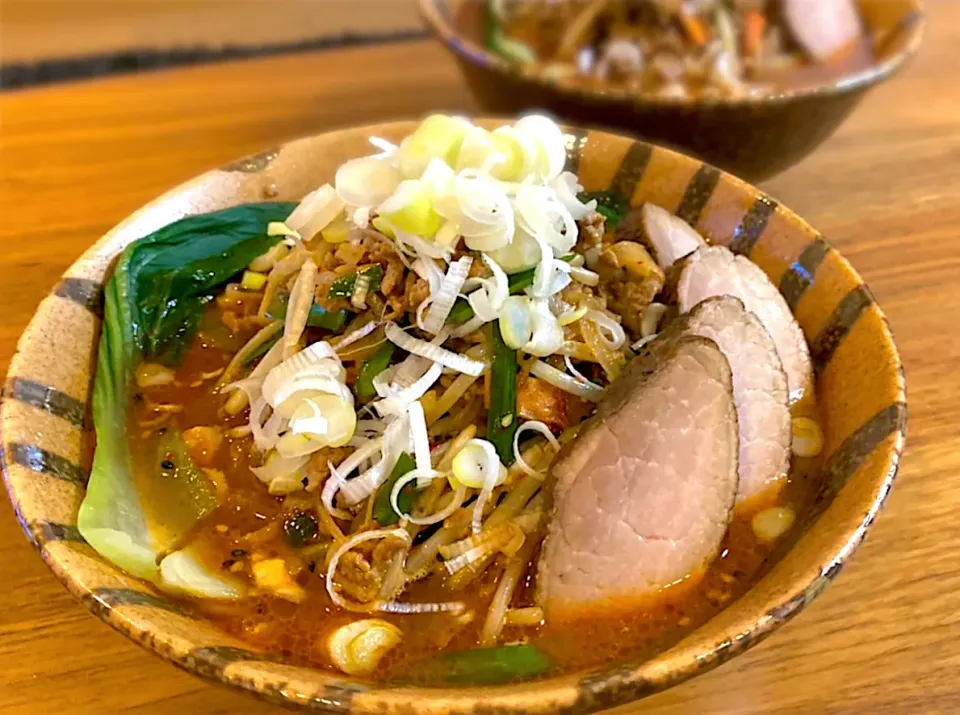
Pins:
x: 886, y: 190
x: 50, y: 29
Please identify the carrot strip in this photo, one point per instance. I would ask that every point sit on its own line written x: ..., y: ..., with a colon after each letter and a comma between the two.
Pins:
x: 755, y: 24
x: 695, y: 28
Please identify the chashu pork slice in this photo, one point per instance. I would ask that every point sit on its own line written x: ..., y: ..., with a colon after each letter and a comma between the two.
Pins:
x: 668, y: 238
x: 825, y: 29
x: 642, y: 497
x: 715, y: 271
x: 759, y: 388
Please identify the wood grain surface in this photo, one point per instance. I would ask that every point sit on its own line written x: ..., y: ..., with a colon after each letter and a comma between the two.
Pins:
x: 885, y: 638
x: 31, y: 30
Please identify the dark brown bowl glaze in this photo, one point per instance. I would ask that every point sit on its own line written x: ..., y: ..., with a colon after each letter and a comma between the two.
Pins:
x: 753, y: 137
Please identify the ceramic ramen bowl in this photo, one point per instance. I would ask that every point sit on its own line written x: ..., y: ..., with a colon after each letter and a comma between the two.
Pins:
x: 47, y: 438
x: 754, y: 137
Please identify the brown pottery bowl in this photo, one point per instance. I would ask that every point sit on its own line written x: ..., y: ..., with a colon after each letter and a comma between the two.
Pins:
x: 753, y: 137
x: 47, y: 439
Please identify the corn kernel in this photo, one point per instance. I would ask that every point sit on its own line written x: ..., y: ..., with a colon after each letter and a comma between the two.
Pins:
x: 358, y: 647
x: 336, y: 232
x: 253, y: 281
x: 770, y: 524
x: 807, y: 437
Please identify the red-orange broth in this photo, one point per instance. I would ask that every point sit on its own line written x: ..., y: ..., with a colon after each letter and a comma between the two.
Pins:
x: 298, y: 632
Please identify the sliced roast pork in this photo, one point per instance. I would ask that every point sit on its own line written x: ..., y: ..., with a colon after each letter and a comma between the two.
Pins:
x: 824, y: 28
x: 759, y: 388
x: 643, y: 495
x: 668, y: 237
x: 715, y: 271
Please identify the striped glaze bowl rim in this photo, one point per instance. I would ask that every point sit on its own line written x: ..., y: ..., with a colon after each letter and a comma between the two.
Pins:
x: 47, y: 439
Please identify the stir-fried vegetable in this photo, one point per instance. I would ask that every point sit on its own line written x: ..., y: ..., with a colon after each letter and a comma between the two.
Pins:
x: 502, y: 417
x: 611, y: 205
x: 310, y: 408
x: 182, y: 572
x: 442, y: 301
x: 382, y: 508
x: 519, y: 282
x: 299, y: 529
x: 302, y: 296
x: 497, y: 40
x: 153, y: 302
x: 462, y: 311
x: 678, y: 50
x: 486, y: 666
x: 380, y: 361
x: 260, y: 351
x: 496, y: 616
x: 181, y: 497
x: 318, y: 317
x: 343, y: 287
x: 171, y: 274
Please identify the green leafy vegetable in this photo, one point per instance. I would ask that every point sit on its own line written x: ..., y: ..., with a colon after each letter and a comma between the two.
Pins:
x: 299, y: 529
x: 502, y: 417
x: 318, y: 317
x: 261, y: 351
x: 343, y: 286
x: 460, y: 313
x: 180, y: 497
x: 612, y: 218
x: 517, y: 282
x: 153, y: 302
x: 170, y: 274
x: 185, y: 572
x: 277, y: 310
x: 377, y: 363
x: 486, y: 666
x: 497, y: 41
x: 382, y: 508
x: 610, y: 204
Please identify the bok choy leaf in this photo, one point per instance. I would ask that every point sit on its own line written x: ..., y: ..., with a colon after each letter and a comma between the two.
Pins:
x: 153, y: 302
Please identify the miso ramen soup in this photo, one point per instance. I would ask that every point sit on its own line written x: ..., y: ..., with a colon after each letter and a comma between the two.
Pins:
x: 679, y: 49
x: 449, y: 419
